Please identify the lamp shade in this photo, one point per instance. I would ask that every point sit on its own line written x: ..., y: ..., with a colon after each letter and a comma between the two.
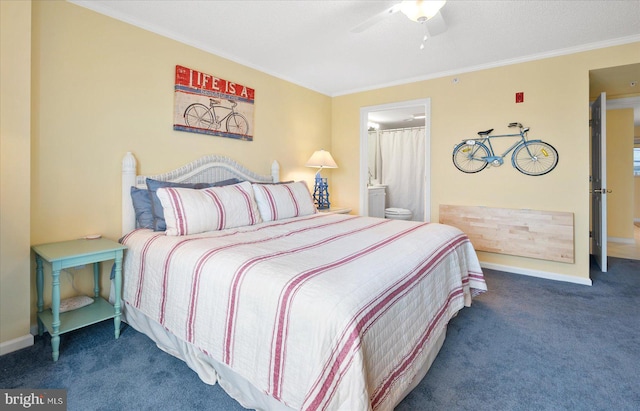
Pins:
x: 321, y: 159
x: 421, y: 10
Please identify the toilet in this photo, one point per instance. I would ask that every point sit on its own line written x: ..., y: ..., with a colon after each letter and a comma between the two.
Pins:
x: 397, y: 213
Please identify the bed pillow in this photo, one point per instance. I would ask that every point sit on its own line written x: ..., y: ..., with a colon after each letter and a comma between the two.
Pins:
x: 156, y: 208
x: 191, y: 211
x: 142, y: 206
x: 278, y: 201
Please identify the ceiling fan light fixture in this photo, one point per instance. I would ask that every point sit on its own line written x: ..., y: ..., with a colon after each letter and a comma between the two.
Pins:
x: 421, y: 10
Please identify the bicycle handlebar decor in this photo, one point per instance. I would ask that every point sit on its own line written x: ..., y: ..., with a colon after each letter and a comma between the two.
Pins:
x: 206, y: 104
x: 530, y: 157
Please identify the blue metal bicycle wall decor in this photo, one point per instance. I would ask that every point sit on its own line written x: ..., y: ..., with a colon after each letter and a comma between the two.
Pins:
x: 530, y: 157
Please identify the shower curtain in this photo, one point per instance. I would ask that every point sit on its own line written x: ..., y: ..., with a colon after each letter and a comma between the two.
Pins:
x: 400, y: 165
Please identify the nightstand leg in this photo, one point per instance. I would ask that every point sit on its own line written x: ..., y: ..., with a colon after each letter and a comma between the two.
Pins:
x: 118, y: 291
x: 39, y: 287
x: 96, y: 280
x: 55, y: 309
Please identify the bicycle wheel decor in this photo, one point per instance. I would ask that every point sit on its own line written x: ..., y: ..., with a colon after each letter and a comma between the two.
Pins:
x: 206, y: 104
x: 535, y: 158
x: 236, y: 123
x: 470, y: 156
x: 198, y: 116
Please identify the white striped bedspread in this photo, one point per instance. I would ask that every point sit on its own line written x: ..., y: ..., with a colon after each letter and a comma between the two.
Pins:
x: 323, y: 312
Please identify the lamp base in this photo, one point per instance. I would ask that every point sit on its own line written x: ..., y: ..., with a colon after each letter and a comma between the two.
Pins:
x: 321, y: 194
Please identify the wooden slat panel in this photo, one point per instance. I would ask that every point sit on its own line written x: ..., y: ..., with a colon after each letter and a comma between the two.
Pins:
x: 546, y: 235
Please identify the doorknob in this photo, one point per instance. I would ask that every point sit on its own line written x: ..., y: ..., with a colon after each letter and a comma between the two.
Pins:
x: 602, y: 191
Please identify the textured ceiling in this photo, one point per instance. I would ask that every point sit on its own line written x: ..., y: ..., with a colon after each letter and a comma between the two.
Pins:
x: 312, y: 43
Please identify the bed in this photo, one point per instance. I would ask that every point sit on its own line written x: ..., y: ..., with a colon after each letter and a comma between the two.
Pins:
x: 287, y: 308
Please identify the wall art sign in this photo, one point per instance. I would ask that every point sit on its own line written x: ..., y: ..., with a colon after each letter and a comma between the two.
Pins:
x: 207, y: 104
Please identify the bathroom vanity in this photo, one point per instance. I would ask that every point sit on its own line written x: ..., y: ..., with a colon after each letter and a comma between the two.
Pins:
x: 377, y: 198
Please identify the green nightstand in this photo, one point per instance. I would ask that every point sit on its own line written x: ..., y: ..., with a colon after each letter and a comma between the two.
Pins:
x: 75, y: 253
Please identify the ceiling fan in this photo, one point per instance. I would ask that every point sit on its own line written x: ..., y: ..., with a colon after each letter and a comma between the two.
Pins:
x: 426, y: 12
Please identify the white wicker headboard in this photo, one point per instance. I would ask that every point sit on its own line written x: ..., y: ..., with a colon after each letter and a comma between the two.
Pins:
x: 208, y: 169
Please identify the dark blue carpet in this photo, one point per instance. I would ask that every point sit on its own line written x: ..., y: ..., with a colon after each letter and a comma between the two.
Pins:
x: 535, y: 344
x: 527, y: 344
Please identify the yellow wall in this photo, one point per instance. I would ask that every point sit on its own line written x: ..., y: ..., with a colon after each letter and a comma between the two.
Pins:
x: 102, y: 87
x: 556, y: 98
x: 15, y: 69
x: 620, y: 178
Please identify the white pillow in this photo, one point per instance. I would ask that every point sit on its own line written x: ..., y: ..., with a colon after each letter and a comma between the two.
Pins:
x: 190, y: 211
x: 278, y: 201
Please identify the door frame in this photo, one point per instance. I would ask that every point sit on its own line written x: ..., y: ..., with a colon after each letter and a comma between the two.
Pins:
x: 364, y: 152
x: 599, y: 180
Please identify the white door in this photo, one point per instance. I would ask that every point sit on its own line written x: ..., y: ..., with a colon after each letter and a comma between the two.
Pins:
x: 599, y: 180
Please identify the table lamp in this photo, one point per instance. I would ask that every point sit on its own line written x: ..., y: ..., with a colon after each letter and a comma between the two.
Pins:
x: 321, y: 159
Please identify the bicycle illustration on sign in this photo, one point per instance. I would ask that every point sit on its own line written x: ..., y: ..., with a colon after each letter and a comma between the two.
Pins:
x: 530, y: 157
x: 200, y: 116
x: 206, y: 104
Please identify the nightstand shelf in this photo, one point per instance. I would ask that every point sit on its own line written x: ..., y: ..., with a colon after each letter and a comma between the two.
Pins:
x: 99, y: 310
x: 67, y: 254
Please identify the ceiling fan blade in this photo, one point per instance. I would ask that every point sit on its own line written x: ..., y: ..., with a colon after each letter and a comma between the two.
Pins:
x: 376, y: 19
x: 436, y: 25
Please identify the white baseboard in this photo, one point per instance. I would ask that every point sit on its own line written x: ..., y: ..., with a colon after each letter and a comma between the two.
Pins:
x: 621, y: 240
x: 535, y: 273
x: 16, y: 344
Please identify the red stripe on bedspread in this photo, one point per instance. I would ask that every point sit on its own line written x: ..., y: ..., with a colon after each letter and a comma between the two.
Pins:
x: 338, y: 363
x: 271, y: 200
x: 478, y: 278
x: 165, y: 277
x: 178, y: 210
x: 296, y: 207
x: 143, y: 258
x: 222, y: 217
x: 248, y: 201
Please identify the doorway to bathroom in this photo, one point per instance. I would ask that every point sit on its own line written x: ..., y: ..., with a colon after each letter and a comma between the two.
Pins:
x: 394, y: 157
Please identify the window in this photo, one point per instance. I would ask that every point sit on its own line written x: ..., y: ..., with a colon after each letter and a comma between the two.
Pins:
x: 636, y: 161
